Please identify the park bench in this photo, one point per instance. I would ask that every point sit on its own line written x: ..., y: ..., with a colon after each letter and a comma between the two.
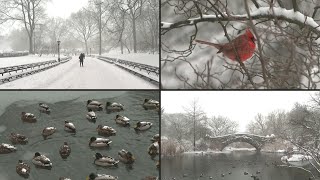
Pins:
x: 145, y: 71
x: 24, y: 70
x: 13, y: 54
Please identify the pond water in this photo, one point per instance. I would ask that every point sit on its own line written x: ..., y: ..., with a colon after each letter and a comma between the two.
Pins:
x: 229, y: 166
x: 71, y: 106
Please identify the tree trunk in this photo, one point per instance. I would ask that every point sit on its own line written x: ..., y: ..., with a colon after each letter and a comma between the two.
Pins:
x: 86, y: 44
x: 31, y: 43
x: 100, y: 31
x: 134, y: 33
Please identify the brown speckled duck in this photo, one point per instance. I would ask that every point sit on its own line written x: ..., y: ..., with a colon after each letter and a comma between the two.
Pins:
x: 23, y: 169
x: 7, y: 148
x: 126, y: 156
x: 28, y: 117
x: 44, y: 108
x: 65, y: 150
x: 16, y: 138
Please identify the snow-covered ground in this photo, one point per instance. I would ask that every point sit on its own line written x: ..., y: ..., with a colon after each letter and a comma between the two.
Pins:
x: 95, y: 74
x: 14, y: 61
x: 143, y: 58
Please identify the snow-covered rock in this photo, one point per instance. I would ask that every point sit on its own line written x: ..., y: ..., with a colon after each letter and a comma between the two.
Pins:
x: 296, y: 158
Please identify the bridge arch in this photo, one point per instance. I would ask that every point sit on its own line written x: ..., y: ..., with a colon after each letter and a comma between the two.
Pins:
x: 220, y: 142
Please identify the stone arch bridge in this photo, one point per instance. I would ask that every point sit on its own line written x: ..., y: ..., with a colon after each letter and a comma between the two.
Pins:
x: 220, y: 142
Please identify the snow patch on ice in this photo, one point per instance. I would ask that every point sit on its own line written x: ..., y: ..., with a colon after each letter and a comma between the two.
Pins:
x: 296, y: 158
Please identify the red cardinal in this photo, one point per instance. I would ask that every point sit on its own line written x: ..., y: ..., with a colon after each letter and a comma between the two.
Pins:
x: 244, y: 44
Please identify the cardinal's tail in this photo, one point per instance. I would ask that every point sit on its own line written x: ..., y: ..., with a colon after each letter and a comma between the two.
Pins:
x: 208, y: 43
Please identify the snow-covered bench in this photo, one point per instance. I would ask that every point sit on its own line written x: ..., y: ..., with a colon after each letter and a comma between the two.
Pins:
x: 23, y: 67
x: 107, y: 59
x: 145, y: 71
x: 13, y: 54
x: 27, y: 69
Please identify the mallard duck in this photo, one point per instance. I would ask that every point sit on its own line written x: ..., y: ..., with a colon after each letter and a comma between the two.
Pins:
x: 91, y: 116
x: 150, y: 104
x: 99, y: 142
x: 156, y: 138
x: 28, y: 117
x: 105, y: 160
x: 18, y: 138
x: 126, y: 156
x: 44, y: 108
x: 23, y: 169
x: 153, y: 149
x: 7, y: 148
x: 93, y: 176
x: 114, y: 107
x: 48, y: 131
x: 65, y: 150
x: 106, y: 130
x: 122, y: 120
x: 150, y: 178
x: 142, y: 126
x: 41, y: 160
x: 64, y: 178
x: 69, y: 127
x: 94, y: 105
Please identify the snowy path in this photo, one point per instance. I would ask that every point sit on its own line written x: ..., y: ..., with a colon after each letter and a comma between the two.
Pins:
x: 95, y: 74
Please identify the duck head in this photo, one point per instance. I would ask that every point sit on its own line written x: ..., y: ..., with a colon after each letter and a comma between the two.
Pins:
x: 92, y: 139
x: 98, y: 156
x: 37, y: 154
x: 146, y: 100
x: 89, y: 101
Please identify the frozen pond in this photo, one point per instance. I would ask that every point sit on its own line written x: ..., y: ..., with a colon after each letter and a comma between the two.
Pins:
x: 237, y: 165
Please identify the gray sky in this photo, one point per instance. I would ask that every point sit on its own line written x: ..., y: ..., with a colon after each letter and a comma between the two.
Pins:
x: 240, y: 106
x: 64, y: 8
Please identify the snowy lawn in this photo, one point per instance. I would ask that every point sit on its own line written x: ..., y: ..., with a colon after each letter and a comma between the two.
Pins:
x: 143, y: 58
x: 14, y: 61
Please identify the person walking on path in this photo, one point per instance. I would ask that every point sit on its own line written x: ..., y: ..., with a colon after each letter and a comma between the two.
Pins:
x: 81, y: 57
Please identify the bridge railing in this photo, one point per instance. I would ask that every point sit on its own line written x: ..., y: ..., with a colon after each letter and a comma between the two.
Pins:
x: 13, y: 54
x: 143, y: 70
x: 11, y: 73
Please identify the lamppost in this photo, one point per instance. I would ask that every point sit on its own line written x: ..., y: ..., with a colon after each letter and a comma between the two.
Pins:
x: 59, y: 50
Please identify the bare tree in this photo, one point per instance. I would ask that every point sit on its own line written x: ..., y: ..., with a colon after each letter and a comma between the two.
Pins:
x: 195, y: 113
x: 83, y: 26
x: 29, y: 12
x: 134, y: 10
x: 221, y: 126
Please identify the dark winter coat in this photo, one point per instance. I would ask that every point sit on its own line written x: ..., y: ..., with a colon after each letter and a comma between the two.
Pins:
x: 82, y: 56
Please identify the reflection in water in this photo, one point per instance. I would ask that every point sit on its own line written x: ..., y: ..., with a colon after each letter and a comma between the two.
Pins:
x: 80, y: 162
x: 237, y: 165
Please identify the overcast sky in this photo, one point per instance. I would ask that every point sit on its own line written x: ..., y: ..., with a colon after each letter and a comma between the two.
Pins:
x: 240, y: 106
x: 64, y: 8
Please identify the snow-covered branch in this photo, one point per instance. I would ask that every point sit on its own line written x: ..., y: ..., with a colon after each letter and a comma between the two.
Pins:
x: 261, y: 13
